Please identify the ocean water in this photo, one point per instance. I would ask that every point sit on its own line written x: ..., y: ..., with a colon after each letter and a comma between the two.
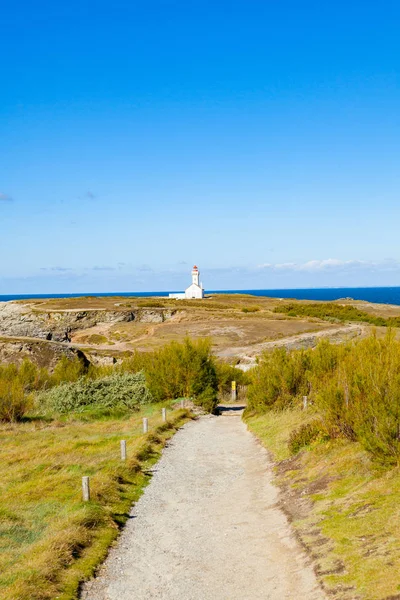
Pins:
x: 383, y: 295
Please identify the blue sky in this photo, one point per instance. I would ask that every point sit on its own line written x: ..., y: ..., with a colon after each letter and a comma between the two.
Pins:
x: 257, y: 139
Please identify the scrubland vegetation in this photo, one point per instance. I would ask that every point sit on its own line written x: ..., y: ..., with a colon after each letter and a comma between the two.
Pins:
x: 335, y: 312
x: 338, y: 459
x: 57, y: 427
x: 186, y: 369
x: 354, y: 388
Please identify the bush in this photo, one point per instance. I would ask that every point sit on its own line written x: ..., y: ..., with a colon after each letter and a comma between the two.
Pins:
x: 338, y: 312
x: 68, y: 370
x: 179, y: 370
x: 250, y: 309
x: 207, y: 399
x: 355, y: 389
x: 120, y: 390
x: 305, y: 435
x: 278, y: 379
x: 226, y: 374
x: 14, y: 402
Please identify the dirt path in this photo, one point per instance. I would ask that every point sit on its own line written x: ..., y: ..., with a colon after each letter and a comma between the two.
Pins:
x: 208, y: 527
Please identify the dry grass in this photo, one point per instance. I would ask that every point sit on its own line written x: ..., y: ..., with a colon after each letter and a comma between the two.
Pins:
x: 217, y: 301
x: 49, y: 539
x: 223, y: 332
x: 344, y: 508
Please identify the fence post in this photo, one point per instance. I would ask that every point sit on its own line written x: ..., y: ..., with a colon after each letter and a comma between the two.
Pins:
x: 145, y: 425
x: 85, y: 489
x: 164, y: 414
x: 305, y: 402
x: 182, y: 403
x: 233, y: 395
x: 123, y: 449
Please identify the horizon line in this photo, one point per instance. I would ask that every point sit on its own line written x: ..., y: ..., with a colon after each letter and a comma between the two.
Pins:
x: 236, y: 291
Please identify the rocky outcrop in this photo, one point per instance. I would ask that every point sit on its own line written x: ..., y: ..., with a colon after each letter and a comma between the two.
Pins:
x: 19, y: 320
x: 42, y: 353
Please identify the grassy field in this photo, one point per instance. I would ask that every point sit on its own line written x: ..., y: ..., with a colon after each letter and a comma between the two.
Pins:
x: 344, y: 508
x: 49, y: 539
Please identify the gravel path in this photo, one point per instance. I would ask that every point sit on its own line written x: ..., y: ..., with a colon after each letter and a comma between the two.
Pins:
x: 207, y: 527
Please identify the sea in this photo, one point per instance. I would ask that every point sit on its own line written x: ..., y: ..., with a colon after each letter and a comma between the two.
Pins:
x: 382, y: 295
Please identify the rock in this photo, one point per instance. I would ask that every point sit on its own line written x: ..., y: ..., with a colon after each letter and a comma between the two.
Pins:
x: 101, y: 360
x: 21, y: 320
x: 42, y: 353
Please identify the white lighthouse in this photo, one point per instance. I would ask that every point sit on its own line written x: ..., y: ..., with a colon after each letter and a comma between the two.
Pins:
x: 195, y: 291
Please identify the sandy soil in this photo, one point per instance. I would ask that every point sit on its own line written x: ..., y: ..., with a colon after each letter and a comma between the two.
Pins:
x: 208, y: 527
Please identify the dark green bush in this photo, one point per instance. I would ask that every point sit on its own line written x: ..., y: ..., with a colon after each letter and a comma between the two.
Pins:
x: 305, y: 435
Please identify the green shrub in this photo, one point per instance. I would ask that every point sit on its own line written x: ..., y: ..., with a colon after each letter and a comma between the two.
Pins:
x: 68, y: 369
x: 179, y: 370
x: 338, y: 312
x: 355, y: 389
x: 305, y: 435
x: 207, y: 399
x: 14, y: 402
x: 278, y: 379
x: 226, y: 374
x: 250, y: 309
x: 119, y: 391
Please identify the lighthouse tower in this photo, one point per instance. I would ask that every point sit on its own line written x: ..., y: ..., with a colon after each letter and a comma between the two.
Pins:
x: 195, y: 275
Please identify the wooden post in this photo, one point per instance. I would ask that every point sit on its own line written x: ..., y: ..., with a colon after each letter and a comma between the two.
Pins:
x: 233, y: 395
x: 123, y: 449
x: 85, y: 489
x: 164, y: 414
x: 145, y: 425
x: 305, y: 402
x: 182, y: 403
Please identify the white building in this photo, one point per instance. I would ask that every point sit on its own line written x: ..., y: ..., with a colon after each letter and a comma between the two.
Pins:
x: 195, y: 291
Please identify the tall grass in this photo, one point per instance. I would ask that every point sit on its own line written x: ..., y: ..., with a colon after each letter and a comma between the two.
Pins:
x: 354, y: 388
